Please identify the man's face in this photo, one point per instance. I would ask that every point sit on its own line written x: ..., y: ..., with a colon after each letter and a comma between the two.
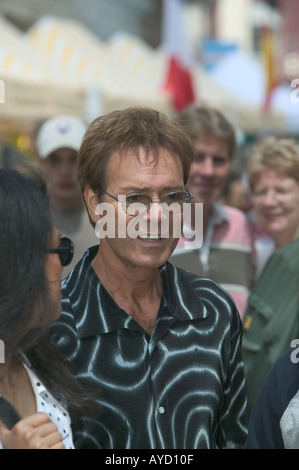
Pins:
x: 60, y: 168
x: 209, y: 170
x: 127, y: 175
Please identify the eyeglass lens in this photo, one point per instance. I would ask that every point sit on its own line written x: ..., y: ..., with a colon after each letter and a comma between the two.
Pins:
x: 65, y: 251
x: 171, y: 202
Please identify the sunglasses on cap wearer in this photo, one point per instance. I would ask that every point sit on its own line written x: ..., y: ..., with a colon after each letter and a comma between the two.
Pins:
x: 65, y: 251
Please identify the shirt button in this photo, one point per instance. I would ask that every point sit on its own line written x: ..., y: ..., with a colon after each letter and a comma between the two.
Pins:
x: 161, y: 410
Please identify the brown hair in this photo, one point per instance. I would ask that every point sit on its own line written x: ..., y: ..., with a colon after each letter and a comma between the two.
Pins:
x: 279, y: 155
x: 129, y: 129
x: 198, y: 120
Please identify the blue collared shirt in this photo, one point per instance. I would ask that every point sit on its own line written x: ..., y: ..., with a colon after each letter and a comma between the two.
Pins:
x: 181, y: 387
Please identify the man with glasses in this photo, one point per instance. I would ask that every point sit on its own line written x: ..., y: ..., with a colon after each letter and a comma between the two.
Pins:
x: 161, y: 346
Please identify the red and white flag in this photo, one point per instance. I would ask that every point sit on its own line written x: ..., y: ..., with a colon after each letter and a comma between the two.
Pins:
x: 179, y: 81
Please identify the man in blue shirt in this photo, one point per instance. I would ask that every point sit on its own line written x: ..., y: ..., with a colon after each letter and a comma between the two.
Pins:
x: 161, y: 346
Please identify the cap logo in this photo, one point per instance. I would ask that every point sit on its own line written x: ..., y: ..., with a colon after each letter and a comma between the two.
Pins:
x: 63, y: 128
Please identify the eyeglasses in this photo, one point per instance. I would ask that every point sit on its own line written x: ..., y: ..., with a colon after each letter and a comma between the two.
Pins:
x: 172, y: 202
x: 65, y: 251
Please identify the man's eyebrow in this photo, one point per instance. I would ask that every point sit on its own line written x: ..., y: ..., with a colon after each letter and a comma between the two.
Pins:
x: 146, y: 189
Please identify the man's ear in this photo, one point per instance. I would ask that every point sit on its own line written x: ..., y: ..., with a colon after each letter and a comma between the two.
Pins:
x: 91, y: 201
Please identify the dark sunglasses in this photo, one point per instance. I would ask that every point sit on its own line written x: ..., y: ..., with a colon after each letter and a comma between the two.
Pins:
x: 65, y: 251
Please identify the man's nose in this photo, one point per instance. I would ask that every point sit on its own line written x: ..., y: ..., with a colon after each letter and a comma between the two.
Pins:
x: 66, y: 167
x: 206, y: 167
x: 156, y: 209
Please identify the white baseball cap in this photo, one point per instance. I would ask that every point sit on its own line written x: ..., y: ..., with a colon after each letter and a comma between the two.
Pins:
x: 58, y: 132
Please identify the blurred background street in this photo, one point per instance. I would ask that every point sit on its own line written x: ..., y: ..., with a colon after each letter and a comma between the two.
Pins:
x: 88, y: 58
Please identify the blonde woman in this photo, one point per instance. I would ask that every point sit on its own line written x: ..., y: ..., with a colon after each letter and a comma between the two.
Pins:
x: 271, y: 319
x: 274, y: 182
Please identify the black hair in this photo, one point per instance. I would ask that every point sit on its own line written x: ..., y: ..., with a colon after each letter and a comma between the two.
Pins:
x: 25, y: 235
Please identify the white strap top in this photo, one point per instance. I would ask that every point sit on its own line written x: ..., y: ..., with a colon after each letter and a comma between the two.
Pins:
x: 46, y: 403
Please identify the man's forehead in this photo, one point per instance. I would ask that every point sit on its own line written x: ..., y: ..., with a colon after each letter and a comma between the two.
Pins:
x: 143, y: 157
x: 129, y: 164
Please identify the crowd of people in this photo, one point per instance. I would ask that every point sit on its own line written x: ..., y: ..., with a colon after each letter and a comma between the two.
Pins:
x: 161, y: 282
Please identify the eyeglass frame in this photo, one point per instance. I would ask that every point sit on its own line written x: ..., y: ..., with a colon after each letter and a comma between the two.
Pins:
x: 64, y: 250
x: 186, y: 191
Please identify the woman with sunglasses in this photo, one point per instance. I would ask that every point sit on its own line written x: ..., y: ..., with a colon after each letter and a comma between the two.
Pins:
x: 34, y: 378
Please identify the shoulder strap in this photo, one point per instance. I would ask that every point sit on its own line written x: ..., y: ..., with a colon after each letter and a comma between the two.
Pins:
x: 8, y: 414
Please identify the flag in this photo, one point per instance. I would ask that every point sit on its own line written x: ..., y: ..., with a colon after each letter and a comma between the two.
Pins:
x: 267, y: 49
x: 178, y: 82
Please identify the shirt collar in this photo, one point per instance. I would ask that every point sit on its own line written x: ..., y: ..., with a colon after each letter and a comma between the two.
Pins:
x: 219, y: 214
x: 181, y: 299
x: 218, y: 217
x: 90, y: 300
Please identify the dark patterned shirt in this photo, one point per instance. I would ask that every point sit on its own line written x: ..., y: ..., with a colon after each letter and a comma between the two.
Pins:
x: 181, y: 387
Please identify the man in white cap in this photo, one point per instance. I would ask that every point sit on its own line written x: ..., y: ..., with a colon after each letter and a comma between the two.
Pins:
x: 58, y: 141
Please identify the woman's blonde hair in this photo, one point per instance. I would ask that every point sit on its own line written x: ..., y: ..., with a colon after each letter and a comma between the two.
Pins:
x: 279, y: 155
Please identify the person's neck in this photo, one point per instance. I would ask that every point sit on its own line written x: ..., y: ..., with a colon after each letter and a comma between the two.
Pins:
x: 125, y: 281
x: 284, y: 239
x: 136, y: 290
x: 15, y: 386
x: 9, y: 372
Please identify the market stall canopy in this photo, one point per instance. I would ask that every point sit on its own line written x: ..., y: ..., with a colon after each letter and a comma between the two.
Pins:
x: 58, y: 66
x: 33, y: 88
